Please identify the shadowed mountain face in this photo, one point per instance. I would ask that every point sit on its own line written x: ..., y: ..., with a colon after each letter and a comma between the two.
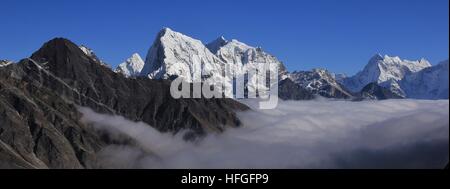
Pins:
x: 321, y: 82
x: 39, y: 121
x: 373, y: 91
x: 288, y: 90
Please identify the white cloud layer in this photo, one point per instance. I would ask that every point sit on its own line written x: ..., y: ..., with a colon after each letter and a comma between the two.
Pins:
x: 298, y: 134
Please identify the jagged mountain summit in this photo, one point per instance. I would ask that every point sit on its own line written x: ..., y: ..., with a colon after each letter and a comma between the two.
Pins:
x: 4, y: 63
x: 320, y: 82
x: 132, y: 67
x: 174, y: 55
x: 241, y: 55
x: 429, y: 83
x: 386, y: 71
x: 215, y: 45
x: 90, y: 53
x: 238, y: 53
x: 41, y: 126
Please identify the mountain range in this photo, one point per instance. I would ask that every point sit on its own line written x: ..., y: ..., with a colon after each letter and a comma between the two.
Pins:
x: 172, y: 55
x: 393, y: 73
x: 41, y: 125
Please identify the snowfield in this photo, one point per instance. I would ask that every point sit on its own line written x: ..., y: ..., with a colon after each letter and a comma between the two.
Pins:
x: 298, y: 134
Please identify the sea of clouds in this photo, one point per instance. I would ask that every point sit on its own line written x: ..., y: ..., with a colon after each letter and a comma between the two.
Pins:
x: 297, y: 134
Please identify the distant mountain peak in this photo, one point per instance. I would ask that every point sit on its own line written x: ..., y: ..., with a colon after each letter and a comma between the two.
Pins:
x: 132, y: 67
x: 221, y: 39
x: 320, y: 82
x: 165, y: 30
x: 386, y: 71
x: 172, y: 53
x: 218, y: 43
x: 166, y: 33
x: 238, y: 43
x: 54, y: 47
x: 429, y: 83
x: 376, y: 58
x: 4, y: 63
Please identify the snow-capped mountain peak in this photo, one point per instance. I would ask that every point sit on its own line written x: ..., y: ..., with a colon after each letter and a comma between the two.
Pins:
x: 4, y: 63
x: 386, y: 71
x: 175, y: 54
x: 429, y: 83
x: 132, y: 66
x: 375, y: 58
x: 236, y: 52
x: 215, y: 45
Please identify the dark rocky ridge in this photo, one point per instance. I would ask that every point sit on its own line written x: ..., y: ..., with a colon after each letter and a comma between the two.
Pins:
x: 136, y: 99
x: 40, y: 129
x: 39, y: 121
x: 373, y: 91
x: 288, y: 90
x: 321, y: 82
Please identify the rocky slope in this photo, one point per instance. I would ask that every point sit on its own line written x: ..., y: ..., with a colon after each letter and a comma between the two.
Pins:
x: 39, y: 120
x: 320, y: 82
x: 38, y: 127
x: 289, y: 90
x: 132, y: 67
x: 90, y: 53
x: 373, y: 91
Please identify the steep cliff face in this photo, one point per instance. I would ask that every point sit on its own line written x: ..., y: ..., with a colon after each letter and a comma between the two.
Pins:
x: 39, y: 123
x: 40, y: 129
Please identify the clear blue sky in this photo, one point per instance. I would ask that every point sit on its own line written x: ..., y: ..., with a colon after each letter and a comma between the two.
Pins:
x: 340, y: 35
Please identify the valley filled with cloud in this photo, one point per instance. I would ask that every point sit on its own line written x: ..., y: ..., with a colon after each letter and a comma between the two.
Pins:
x: 297, y: 134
